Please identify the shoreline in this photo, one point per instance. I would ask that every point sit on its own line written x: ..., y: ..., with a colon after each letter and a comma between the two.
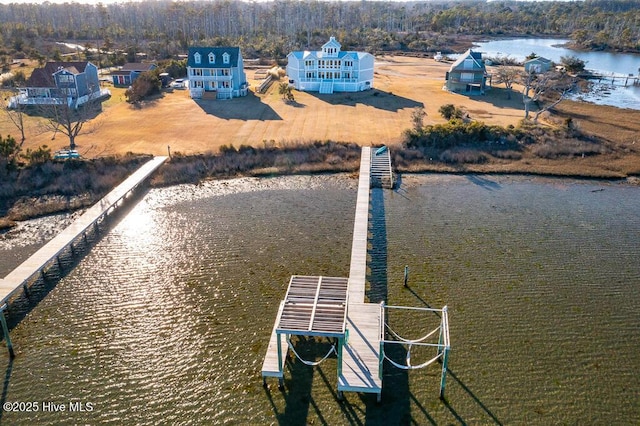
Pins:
x: 73, y: 208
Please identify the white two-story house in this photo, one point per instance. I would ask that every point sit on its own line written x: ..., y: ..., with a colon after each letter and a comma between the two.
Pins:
x: 216, y: 71
x: 330, y: 69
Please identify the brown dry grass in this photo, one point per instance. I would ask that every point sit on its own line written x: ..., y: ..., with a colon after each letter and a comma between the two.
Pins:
x: 372, y: 117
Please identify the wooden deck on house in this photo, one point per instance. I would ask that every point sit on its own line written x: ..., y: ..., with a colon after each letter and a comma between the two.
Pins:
x: 47, y: 253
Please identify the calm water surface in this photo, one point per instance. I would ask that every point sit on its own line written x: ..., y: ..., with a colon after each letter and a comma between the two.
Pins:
x: 167, y: 319
x: 603, y: 93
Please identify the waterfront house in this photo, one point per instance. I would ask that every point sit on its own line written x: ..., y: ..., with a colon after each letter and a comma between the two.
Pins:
x: 216, y: 72
x: 58, y: 83
x: 330, y: 69
x: 537, y: 65
x: 468, y: 74
x: 125, y: 76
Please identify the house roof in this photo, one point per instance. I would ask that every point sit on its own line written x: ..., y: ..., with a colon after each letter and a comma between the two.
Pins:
x: 332, y: 43
x: 43, y: 77
x: 233, y: 52
x: 478, y: 65
x: 138, y: 66
x: 538, y: 59
x: 316, y: 54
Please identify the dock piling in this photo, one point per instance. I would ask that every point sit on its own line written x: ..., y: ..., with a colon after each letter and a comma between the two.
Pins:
x: 406, y: 275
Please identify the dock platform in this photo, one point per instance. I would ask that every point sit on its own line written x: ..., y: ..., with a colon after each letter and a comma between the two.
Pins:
x: 360, y: 364
x: 20, y: 276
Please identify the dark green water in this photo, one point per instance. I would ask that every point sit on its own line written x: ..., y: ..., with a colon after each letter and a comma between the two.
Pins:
x: 167, y: 319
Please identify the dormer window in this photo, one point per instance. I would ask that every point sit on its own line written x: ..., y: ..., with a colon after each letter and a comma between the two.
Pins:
x: 197, y: 58
x: 212, y: 58
x: 225, y: 58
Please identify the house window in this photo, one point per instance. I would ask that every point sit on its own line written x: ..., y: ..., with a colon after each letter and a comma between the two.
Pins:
x: 198, y: 84
x: 309, y: 63
x: 226, y: 72
x: 310, y: 75
x: 225, y: 58
x: 348, y: 63
x: 196, y: 72
x: 466, y: 76
x: 197, y: 58
x: 65, y: 78
x: 224, y: 85
x: 212, y: 58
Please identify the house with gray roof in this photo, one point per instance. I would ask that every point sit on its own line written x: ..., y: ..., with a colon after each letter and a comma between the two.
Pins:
x: 57, y: 83
x: 538, y: 65
x: 330, y: 69
x: 467, y: 75
x: 216, y: 73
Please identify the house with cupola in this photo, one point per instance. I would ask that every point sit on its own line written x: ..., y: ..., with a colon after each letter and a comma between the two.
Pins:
x: 330, y: 69
x: 216, y: 73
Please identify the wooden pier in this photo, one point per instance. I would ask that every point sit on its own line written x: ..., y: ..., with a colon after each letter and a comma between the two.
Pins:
x: 336, y: 308
x: 20, y: 277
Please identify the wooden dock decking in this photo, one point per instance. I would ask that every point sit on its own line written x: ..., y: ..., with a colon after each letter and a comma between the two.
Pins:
x: 358, y: 267
x: 381, y: 171
x: 270, y: 366
x: 360, y: 370
x: 39, y: 260
x: 360, y: 338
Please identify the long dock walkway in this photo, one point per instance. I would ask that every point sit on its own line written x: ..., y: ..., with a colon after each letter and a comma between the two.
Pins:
x: 35, y: 264
x: 359, y: 369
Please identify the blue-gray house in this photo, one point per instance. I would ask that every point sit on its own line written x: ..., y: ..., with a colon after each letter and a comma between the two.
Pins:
x: 125, y: 76
x: 71, y: 83
x: 216, y: 72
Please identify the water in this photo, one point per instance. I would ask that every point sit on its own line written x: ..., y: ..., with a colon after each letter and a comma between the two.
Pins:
x: 167, y: 319
x: 609, y: 63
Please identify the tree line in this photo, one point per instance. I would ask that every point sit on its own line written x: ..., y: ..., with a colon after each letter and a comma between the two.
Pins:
x: 165, y: 28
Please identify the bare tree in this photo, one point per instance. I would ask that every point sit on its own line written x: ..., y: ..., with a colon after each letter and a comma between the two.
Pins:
x: 551, y: 87
x: 70, y: 118
x: 16, y: 116
x: 507, y: 75
x: 417, y: 118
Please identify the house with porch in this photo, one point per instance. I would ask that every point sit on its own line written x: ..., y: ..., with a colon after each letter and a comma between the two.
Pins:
x: 216, y: 73
x: 330, y: 69
x: 467, y: 75
x: 537, y: 65
x: 125, y: 76
x: 58, y: 83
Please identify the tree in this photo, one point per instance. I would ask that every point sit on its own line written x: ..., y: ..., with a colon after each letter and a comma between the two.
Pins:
x: 38, y: 156
x: 449, y: 111
x: 68, y: 118
x: 9, y: 150
x: 572, y: 64
x: 507, y: 76
x: 16, y: 116
x: 417, y: 118
x: 285, y: 90
x: 148, y: 83
x: 551, y: 86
